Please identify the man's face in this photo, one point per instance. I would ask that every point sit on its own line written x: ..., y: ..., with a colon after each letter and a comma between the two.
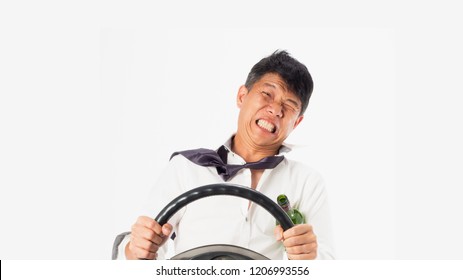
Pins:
x: 268, y: 112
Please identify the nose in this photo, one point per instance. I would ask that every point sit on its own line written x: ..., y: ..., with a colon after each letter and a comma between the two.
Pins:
x: 275, y: 109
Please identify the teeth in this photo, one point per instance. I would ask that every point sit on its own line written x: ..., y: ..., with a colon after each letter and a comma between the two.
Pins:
x: 266, y: 125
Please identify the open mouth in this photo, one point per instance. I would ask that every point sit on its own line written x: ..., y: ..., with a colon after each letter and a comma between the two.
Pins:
x: 266, y: 125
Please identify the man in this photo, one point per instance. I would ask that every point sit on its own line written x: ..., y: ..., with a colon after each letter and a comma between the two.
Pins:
x: 272, y: 104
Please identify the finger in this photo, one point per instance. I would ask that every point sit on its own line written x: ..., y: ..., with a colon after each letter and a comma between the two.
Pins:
x: 278, y: 232
x: 302, y: 249
x: 311, y: 256
x: 297, y: 230
x: 140, y: 253
x: 149, y: 223
x: 166, y: 229
x: 145, y: 245
x: 299, y: 240
x: 140, y: 231
x: 144, y: 255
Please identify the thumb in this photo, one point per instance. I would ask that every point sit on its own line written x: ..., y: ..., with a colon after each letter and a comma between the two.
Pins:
x: 166, y: 229
x: 278, y: 231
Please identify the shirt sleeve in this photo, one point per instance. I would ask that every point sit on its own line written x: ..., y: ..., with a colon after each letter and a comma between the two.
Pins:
x: 119, y: 251
x: 317, y: 212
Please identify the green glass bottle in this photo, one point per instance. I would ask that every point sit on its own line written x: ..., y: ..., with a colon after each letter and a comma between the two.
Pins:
x: 293, y: 213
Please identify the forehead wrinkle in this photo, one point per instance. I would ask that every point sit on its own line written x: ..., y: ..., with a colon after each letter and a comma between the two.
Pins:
x: 272, y: 85
x: 269, y: 85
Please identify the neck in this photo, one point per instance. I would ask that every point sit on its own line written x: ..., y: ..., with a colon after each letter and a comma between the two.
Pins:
x: 249, y: 151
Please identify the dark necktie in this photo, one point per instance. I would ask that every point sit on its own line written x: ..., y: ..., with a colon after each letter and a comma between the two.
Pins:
x: 205, y: 157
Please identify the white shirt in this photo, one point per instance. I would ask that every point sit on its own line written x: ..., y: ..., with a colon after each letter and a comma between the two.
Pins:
x: 229, y: 219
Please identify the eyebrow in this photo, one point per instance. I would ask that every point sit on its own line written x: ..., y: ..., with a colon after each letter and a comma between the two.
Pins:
x: 270, y: 85
x: 286, y: 100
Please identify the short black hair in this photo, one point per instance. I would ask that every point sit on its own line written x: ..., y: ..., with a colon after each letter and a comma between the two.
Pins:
x: 294, y: 74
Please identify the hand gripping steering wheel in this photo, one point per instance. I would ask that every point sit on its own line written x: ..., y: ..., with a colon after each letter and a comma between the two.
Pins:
x: 221, y: 251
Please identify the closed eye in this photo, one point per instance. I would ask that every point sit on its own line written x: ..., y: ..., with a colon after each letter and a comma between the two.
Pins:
x: 289, y: 107
x: 266, y: 94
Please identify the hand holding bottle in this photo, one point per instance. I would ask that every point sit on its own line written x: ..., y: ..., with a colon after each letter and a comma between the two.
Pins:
x: 300, y: 241
x: 146, y: 238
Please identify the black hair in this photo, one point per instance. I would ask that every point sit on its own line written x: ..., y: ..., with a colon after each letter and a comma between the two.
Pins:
x: 294, y: 74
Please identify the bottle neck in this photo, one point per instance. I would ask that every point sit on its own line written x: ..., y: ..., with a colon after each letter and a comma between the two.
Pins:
x: 286, y: 207
x: 284, y: 203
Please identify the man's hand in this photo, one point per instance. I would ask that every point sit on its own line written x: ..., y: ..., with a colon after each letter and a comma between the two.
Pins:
x: 300, y: 242
x: 146, y: 238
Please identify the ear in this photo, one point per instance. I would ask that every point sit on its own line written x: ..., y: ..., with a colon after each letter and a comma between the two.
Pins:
x: 242, y: 92
x: 298, y: 121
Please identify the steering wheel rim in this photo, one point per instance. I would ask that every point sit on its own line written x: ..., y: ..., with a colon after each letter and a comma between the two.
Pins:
x: 224, y: 189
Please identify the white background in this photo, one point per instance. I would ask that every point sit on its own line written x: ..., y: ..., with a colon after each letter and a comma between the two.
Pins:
x: 96, y: 96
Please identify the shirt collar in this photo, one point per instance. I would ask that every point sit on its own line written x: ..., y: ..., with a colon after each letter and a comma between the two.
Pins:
x: 284, y: 149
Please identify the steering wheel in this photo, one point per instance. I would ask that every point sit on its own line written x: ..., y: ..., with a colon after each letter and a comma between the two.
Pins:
x: 219, y: 251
